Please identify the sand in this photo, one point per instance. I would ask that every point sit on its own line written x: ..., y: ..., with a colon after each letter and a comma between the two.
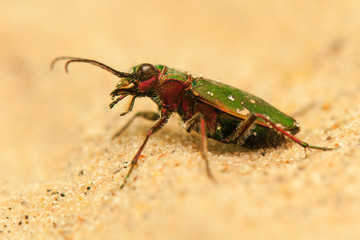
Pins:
x: 61, y: 172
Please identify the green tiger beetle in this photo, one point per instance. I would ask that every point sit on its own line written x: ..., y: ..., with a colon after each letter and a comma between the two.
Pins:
x: 213, y: 109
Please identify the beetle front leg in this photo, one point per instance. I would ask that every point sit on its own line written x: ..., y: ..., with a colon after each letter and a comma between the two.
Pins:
x: 153, y: 116
x: 203, y: 142
x: 158, y: 125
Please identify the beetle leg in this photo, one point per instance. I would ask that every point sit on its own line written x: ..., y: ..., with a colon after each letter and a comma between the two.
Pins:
x: 203, y: 146
x: 305, y: 145
x: 147, y: 115
x: 243, y: 131
x: 189, y: 124
x: 157, y: 126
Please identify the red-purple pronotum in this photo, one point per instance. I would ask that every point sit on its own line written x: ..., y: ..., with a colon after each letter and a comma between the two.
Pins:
x: 213, y: 109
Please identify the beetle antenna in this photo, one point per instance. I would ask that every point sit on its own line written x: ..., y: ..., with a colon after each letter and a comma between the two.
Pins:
x: 93, y: 62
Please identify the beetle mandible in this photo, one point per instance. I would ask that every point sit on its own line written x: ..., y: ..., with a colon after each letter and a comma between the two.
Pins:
x: 213, y: 109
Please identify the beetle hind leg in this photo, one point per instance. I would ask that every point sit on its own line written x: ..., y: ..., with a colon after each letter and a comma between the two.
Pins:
x: 305, y: 145
x: 243, y: 131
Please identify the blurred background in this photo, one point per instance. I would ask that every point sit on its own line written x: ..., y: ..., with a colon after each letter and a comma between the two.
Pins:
x: 290, y: 53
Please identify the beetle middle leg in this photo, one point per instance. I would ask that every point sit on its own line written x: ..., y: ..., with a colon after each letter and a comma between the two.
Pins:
x: 153, y: 116
x: 189, y: 124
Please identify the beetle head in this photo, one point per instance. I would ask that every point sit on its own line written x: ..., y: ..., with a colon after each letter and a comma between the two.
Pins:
x: 138, y: 83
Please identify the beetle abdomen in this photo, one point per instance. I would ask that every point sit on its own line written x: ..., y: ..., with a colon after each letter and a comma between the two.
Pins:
x: 222, y: 126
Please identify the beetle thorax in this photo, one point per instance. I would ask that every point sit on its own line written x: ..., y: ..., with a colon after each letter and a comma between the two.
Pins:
x: 171, y: 88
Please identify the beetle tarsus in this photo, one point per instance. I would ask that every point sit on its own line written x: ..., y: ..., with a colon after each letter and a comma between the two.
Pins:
x: 127, y: 176
x: 317, y: 147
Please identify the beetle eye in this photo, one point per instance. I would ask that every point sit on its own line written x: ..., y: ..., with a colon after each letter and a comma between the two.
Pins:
x: 145, y: 71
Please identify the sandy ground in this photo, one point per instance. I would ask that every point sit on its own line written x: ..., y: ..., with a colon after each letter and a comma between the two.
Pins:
x: 60, y: 172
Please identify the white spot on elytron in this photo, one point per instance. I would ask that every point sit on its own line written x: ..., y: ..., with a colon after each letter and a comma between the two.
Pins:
x: 252, y: 101
x: 231, y: 98
x: 245, y: 111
